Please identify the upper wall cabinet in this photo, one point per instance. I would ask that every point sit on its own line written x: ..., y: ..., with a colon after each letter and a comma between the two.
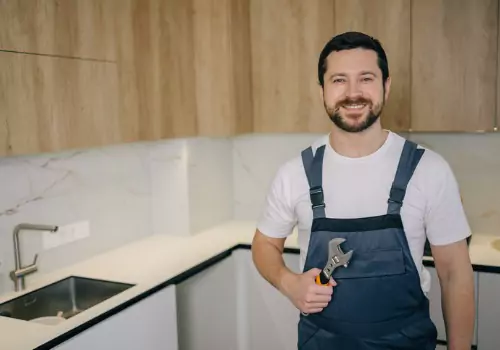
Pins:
x: 286, y: 39
x: 50, y: 104
x: 454, y: 65
x: 86, y: 73
x: 185, y: 68
x: 388, y: 21
x: 72, y: 28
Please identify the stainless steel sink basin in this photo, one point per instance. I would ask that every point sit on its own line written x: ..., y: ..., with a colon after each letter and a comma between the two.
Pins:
x: 67, y: 298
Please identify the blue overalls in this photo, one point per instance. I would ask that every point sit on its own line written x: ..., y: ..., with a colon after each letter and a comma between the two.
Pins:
x: 378, y: 302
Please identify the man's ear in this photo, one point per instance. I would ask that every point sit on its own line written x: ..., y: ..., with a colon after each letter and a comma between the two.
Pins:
x: 321, y: 93
x: 387, y: 86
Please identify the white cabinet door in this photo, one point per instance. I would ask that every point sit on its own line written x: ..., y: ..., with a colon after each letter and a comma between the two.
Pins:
x: 149, y: 324
x: 489, y: 311
x: 207, y: 308
x: 435, y: 304
x: 268, y: 320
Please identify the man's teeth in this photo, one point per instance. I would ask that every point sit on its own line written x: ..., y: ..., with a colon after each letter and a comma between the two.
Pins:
x: 358, y: 106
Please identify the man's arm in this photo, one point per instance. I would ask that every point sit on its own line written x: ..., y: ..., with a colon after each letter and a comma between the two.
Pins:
x: 456, y: 279
x: 267, y: 254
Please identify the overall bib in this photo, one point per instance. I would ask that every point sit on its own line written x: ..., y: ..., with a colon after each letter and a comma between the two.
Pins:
x: 378, y: 303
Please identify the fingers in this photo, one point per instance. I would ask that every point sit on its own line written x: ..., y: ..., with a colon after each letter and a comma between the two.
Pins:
x: 322, y: 290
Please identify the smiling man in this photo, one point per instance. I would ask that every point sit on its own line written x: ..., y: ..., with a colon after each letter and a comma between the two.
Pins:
x: 383, y: 196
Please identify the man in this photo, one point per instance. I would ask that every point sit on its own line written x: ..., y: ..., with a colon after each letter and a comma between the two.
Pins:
x: 384, y: 195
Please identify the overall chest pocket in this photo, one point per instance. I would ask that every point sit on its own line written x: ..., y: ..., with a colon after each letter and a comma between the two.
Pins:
x: 373, y: 263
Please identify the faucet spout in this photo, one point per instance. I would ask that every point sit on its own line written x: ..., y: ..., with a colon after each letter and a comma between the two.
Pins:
x: 19, y: 273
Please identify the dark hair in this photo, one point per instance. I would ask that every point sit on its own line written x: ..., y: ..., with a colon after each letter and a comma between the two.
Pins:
x: 352, y: 40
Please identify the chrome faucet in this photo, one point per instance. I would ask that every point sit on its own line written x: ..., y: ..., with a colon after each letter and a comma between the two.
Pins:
x: 18, y: 275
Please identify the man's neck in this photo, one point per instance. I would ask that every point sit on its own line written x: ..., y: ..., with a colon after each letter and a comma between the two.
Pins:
x: 355, y: 145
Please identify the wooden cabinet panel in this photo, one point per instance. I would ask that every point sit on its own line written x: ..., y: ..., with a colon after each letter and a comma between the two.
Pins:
x: 182, y: 70
x: 74, y: 28
x: 388, y: 21
x: 286, y: 39
x: 454, y: 62
x: 222, y: 68
x: 52, y: 104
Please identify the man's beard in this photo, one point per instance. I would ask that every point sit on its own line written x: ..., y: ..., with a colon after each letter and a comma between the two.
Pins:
x: 373, y: 115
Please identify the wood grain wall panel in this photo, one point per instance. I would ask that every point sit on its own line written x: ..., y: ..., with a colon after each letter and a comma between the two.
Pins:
x: 213, y: 66
x: 286, y: 39
x: 73, y: 28
x: 155, y: 55
x: 454, y: 65
x: 241, y: 52
x: 184, y: 67
x: 388, y: 21
x: 53, y: 104
x: 222, y: 66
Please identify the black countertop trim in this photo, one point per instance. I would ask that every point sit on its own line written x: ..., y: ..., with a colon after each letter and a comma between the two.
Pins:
x: 184, y: 276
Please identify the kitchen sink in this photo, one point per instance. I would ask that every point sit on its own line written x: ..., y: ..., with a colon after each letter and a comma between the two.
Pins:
x: 64, y: 298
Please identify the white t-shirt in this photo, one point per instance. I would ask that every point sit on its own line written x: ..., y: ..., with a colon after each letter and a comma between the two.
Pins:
x: 359, y: 187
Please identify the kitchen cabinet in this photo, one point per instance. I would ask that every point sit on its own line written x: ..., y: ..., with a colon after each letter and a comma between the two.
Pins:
x: 286, y: 39
x: 49, y: 104
x: 115, y: 72
x: 109, y: 72
x: 488, y: 311
x: 150, y: 324
x: 453, y: 65
x: 77, y: 28
x: 207, y: 308
x: 270, y: 319
x: 379, y: 18
x: 435, y: 306
x: 184, y: 68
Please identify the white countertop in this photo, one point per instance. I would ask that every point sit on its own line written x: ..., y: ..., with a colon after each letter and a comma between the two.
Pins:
x: 154, y: 260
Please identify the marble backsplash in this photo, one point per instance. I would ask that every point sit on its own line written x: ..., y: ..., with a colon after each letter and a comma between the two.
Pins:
x: 125, y: 192
x: 183, y: 186
x: 474, y: 159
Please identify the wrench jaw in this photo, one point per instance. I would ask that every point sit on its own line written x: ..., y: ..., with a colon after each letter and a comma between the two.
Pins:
x: 336, y: 261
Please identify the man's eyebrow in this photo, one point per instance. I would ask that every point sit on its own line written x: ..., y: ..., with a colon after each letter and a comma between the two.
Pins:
x: 340, y: 74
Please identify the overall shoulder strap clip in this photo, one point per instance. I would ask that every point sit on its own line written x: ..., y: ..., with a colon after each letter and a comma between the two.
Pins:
x: 313, y: 166
x: 410, y: 157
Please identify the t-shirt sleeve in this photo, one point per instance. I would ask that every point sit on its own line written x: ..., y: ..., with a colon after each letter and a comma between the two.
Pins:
x: 445, y: 217
x: 278, y: 218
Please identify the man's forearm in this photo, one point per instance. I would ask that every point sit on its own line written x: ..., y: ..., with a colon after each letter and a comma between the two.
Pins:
x: 457, y: 295
x: 268, y: 260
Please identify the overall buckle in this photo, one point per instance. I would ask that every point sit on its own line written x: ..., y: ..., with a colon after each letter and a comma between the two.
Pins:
x: 317, y: 197
x: 396, y: 195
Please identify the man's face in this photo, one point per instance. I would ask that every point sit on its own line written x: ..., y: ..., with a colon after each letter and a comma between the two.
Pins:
x: 353, y: 92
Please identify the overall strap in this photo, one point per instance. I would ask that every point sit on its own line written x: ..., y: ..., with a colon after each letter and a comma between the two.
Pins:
x: 313, y: 166
x: 410, y: 157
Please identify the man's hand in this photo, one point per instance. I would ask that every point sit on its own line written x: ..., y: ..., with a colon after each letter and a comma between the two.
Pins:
x: 457, y: 293
x: 301, y: 289
x: 305, y: 294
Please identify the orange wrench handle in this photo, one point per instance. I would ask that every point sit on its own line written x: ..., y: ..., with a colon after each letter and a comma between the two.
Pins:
x: 322, y: 280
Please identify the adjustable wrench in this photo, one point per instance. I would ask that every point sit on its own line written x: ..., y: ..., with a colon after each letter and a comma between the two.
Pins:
x: 336, y: 258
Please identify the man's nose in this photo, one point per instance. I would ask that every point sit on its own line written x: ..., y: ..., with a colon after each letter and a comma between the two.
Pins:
x: 353, y: 90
